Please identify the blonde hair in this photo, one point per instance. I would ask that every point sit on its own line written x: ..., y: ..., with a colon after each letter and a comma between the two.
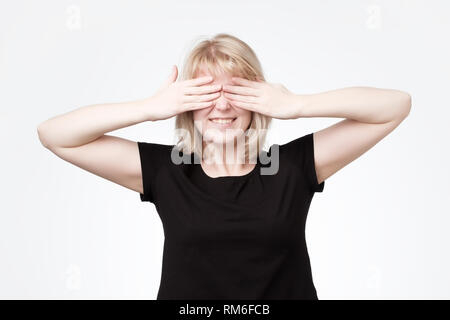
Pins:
x: 223, y: 53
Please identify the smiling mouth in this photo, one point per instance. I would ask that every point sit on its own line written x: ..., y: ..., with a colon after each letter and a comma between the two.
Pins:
x: 222, y: 120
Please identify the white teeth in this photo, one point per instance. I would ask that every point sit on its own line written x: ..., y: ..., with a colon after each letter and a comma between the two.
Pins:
x: 223, y: 121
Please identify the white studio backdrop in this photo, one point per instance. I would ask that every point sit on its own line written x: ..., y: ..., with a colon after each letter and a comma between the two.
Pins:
x: 378, y: 231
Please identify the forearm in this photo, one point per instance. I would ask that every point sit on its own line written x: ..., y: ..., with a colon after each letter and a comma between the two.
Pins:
x: 364, y: 104
x: 88, y: 123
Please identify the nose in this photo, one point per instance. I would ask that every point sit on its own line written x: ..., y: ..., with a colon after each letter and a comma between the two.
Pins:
x: 221, y: 103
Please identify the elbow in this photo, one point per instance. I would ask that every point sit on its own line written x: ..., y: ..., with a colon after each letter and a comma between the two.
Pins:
x: 405, y: 104
x: 41, y: 136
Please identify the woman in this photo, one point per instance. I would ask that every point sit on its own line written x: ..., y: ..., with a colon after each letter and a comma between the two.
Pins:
x: 233, y: 214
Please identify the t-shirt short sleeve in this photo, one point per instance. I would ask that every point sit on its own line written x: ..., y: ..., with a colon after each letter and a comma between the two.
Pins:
x: 153, y: 157
x: 300, y: 152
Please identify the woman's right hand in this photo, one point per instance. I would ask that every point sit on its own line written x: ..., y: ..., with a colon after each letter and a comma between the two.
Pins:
x: 174, y: 97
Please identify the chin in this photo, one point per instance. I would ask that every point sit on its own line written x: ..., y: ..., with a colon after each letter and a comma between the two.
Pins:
x: 222, y: 136
x: 221, y: 131
x: 218, y: 138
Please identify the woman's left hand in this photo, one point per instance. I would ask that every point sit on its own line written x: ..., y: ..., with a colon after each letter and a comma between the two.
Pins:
x: 270, y: 99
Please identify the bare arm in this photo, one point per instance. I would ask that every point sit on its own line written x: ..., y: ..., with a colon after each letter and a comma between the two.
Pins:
x: 86, y: 124
x: 79, y: 136
x: 371, y: 114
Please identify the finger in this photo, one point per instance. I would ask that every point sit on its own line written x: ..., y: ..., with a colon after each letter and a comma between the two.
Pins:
x: 245, y: 82
x: 245, y: 91
x: 202, y: 90
x: 198, y: 81
x: 238, y: 97
x: 196, y: 105
x: 245, y: 105
x: 201, y: 98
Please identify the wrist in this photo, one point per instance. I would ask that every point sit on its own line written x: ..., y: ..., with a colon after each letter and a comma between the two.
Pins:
x: 145, y: 107
x: 301, y: 102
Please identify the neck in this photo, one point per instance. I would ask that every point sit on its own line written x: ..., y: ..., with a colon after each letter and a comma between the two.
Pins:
x: 223, y: 153
x: 220, y: 160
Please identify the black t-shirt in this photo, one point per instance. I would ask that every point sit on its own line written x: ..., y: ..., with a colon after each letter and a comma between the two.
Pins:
x: 233, y: 237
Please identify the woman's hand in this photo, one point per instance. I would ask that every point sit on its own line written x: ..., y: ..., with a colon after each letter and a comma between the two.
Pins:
x: 173, y: 97
x: 270, y: 99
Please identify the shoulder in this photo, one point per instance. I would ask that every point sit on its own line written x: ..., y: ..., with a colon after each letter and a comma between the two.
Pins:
x: 154, y: 153
x: 157, y: 148
x: 300, y: 144
x: 293, y: 150
x: 292, y: 156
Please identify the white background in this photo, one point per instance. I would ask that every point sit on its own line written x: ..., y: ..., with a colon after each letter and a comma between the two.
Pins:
x: 380, y: 229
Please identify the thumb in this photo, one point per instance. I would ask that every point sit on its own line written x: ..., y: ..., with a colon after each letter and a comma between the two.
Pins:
x: 172, y: 76
x: 170, y: 79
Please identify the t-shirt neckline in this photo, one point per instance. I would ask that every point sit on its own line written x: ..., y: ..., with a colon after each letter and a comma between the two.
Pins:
x: 222, y: 178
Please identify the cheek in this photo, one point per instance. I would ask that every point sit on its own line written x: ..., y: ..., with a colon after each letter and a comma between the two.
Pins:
x: 197, y: 114
x: 246, y: 119
x: 200, y: 118
x: 200, y: 115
